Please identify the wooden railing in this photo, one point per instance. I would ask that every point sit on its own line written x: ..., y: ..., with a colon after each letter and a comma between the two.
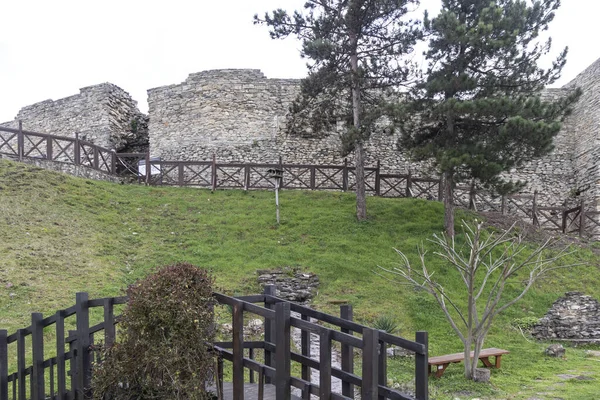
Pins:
x: 21, y: 144
x: 278, y: 354
x: 67, y: 374
x: 66, y: 380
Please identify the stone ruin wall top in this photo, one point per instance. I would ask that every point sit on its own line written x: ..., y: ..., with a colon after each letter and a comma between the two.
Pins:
x: 101, y: 114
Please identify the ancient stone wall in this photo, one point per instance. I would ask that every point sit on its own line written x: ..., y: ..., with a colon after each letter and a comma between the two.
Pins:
x: 572, y: 317
x: 103, y: 114
x: 239, y: 115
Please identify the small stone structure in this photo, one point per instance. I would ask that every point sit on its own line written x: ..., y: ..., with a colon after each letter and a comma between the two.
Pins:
x: 103, y: 114
x: 290, y: 283
x: 574, y: 317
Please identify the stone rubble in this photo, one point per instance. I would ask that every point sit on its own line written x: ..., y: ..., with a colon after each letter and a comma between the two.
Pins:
x: 574, y: 317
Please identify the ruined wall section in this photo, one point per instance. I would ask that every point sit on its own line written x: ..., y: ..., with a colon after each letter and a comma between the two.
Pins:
x: 553, y: 175
x: 240, y: 116
x: 584, y: 129
x: 102, y: 114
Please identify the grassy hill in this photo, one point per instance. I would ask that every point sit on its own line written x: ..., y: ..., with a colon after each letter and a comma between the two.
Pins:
x: 60, y: 235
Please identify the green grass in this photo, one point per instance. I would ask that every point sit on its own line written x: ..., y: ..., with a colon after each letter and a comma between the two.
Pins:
x: 60, y: 235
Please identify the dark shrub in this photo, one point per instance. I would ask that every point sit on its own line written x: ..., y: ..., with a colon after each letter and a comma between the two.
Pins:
x: 162, y: 351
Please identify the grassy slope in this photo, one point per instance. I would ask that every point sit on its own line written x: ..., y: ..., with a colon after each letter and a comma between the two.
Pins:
x: 60, y: 235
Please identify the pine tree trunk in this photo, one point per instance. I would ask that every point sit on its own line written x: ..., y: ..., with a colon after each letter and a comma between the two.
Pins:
x: 359, y: 171
x: 449, y: 203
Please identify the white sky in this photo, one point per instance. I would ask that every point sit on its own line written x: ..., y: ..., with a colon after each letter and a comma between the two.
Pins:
x: 51, y: 48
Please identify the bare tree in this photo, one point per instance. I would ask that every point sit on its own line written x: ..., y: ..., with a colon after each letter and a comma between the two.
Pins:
x: 488, y: 264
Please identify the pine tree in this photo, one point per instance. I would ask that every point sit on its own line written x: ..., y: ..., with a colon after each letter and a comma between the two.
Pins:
x: 478, y: 112
x: 355, y: 48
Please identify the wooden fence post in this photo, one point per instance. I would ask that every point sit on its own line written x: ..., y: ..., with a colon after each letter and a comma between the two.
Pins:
x: 377, y: 181
x: 582, y: 218
x: 84, y: 367
x: 61, y: 371
x: 20, y: 141
x: 347, y: 313
x: 37, y: 363
x: 382, y: 366
x: 409, y: 184
x: 422, y: 368
x: 283, y: 351
x: 345, y: 176
x: 246, y: 176
x: 21, y: 363
x: 269, y: 290
x: 4, y: 364
x: 313, y: 172
x: 325, y: 364
x: 49, y: 148
x: 214, y: 172
x: 238, y: 350
x: 109, y: 321
x: 441, y: 189
x: 73, y: 363
x: 305, y: 344
x: 148, y: 172
x: 370, y: 364
x: 503, y: 205
x: 113, y: 162
x: 536, y: 222
x: 77, y: 150
x: 96, y: 158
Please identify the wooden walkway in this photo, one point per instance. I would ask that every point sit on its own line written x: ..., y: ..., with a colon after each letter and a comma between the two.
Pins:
x: 250, y: 391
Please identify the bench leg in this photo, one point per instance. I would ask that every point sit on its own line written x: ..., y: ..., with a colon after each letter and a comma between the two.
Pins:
x: 440, y: 370
x: 486, y: 361
x: 498, y: 360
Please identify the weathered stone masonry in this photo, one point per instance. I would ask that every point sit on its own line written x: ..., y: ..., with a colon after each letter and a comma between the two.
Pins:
x: 103, y: 114
x: 239, y: 115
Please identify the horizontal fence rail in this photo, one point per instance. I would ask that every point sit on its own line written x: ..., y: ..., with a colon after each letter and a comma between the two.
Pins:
x: 68, y: 373
x: 21, y: 144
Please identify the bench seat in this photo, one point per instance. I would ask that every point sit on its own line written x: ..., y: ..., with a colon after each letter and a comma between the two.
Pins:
x: 443, y: 361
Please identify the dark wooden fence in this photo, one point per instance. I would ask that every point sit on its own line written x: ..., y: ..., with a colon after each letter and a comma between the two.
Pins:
x: 67, y: 374
x: 20, y: 144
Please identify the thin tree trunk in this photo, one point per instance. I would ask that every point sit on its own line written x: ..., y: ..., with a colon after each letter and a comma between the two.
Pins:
x: 449, y: 203
x: 359, y: 171
x: 361, y: 201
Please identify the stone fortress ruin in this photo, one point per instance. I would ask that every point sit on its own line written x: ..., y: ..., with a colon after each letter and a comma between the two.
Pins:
x: 239, y: 116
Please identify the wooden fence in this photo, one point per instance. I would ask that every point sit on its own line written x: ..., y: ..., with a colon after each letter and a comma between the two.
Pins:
x: 69, y: 371
x: 20, y: 144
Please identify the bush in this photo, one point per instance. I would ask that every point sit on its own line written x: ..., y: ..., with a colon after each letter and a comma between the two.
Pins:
x: 164, y: 343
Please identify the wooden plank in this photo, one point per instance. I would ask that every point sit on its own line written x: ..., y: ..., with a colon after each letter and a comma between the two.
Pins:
x: 109, y: 322
x: 422, y: 368
x: 369, y: 389
x: 3, y: 364
x: 305, y: 350
x: 346, y: 313
x: 238, y: 351
x: 61, y: 374
x: 37, y: 349
x: 282, y: 352
x: 325, y: 364
x: 21, y: 364
x: 84, y: 366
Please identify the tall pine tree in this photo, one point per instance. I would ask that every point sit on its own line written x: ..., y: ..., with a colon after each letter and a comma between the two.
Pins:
x: 355, y: 48
x: 478, y: 112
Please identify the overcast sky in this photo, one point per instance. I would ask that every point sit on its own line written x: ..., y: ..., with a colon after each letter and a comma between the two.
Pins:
x: 50, y: 49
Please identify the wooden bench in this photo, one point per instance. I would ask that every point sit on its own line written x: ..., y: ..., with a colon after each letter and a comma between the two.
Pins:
x: 441, y: 362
